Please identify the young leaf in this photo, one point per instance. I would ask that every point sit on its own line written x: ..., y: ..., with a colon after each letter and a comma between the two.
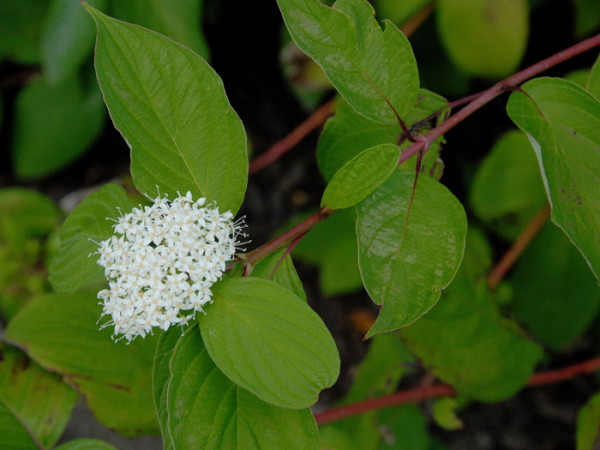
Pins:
x: 360, y: 176
x: 44, y: 417
x: 171, y: 108
x: 369, y: 67
x: 270, y: 342
x: 206, y: 410
x: 484, y: 37
x: 43, y: 140
x: 68, y: 38
x: 464, y: 340
x: 562, y: 122
x: 507, y: 191
x: 347, y: 133
x: 175, y: 19
x: 408, y: 252
x: 75, y: 264
x: 555, y: 294
x: 285, y: 275
x: 14, y: 435
x: 588, y: 424
x: 60, y: 332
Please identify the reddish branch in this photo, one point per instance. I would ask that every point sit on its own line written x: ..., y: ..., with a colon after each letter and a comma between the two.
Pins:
x: 442, y: 390
x: 315, y: 120
x: 517, y: 248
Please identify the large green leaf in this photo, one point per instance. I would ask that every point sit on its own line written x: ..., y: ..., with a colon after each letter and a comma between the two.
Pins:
x: 285, y: 274
x: 179, y: 20
x: 360, y: 176
x: 464, y: 340
x: 38, y: 400
x: 484, y: 37
x: 408, y: 253
x: 204, y: 409
x: 68, y: 38
x: 43, y: 140
x: 14, y: 435
x: 555, y: 294
x: 86, y: 444
x: 347, y: 133
x: 507, y: 191
x: 60, y: 332
x: 75, y: 264
x: 269, y: 341
x: 171, y: 108
x: 331, y: 246
x: 369, y: 67
x: 562, y: 122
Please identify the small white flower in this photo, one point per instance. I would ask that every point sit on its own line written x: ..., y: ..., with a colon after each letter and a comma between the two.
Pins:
x: 162, y: 261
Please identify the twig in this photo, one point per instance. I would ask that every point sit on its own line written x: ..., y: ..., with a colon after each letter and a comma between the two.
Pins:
x: 315, y: 120
x: 497, y: 89
x: 517, y: 248
x: 443, y: 390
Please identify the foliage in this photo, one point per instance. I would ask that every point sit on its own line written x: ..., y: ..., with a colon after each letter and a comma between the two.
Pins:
x: 245, y: 370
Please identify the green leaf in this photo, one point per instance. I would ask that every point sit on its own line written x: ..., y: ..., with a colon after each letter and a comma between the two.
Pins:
x: 593, y: 81
x: 179, y: 20
x: 360, y: 176
x: 27, y: 212
x: 12, y: 431
x: 405, y: 264
x: 562, y: 122
x: 269, y: 341
x: 403, y: 428
x: 484, y: 37
x: 171, y: 108
x: 54, y: 124
x: 75, y: 264
x: 86, y: 444
x: 555, y: 294
x: 347, y: 134
x: 588, y: 424
x: 206, y: 410
x: 507, y: 191
x: 368, y: 67
x: 38, y: 400
x: 60, y: 332
x: 465, y: 342
x: 331, y: 246
x: 587, y: 16
x: 21, y: 26
x: 161, y: 377
x: 285, y: 275
x: 68, y: 38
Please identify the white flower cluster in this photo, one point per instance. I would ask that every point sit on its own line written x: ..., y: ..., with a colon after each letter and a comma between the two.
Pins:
x: 162, y: 262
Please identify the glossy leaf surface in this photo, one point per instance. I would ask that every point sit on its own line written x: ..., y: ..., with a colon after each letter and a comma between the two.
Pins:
x: 406, y: 263
x: 562, y: 122
x: 369, y: 67
x: 360, y: 176
x: 269, y: 341
x: 171, y: 108
x: 204, y: 409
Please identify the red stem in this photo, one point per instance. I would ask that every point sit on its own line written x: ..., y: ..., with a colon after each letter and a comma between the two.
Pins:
x: 497, y: 89
x: 443, y: 390
x: 315, y: 120
x: 517, y: 248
